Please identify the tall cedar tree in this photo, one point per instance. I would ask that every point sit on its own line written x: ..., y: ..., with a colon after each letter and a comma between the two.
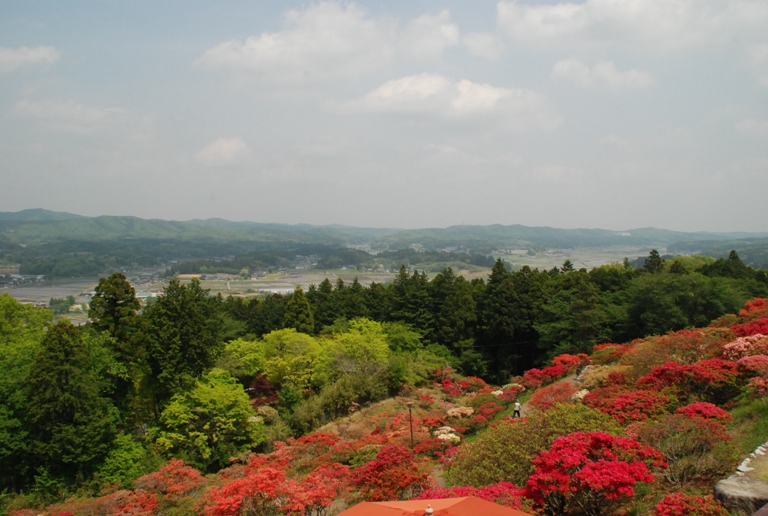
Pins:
x: 410, y: 301
x: 498, y: 315
x: 114, y: 309
x: 182, y: 337
x: 71, y: 426
x: 298, y: 313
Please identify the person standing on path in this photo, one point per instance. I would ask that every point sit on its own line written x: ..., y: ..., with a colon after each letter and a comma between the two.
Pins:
x: 516, y: 412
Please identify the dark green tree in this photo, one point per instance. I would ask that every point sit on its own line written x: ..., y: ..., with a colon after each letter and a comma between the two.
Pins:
x: 70, y: 423
x: 572, y: 319
x: 113, y: 308
x: 114, y: 311
x: 653, y: 264
x: 182, y: 337
x: 498, y: 314
x: 298, y: 313
x: 453, y: 309
x: 410, y: 301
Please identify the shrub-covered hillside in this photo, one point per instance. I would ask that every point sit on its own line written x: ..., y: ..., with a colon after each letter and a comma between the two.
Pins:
x: 177, y: 408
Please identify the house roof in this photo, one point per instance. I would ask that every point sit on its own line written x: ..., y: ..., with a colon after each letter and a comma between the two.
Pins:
x: 464, y: 506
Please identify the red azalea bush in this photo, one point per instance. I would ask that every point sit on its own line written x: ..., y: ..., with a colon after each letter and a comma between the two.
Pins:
x: 434, y: 447
x: 706, y: 411
x: 680, y: 504
x: 489, y: 410
x: 570, y: 362
x: 127, y: 503
x: 755, y: 305
x: 257, y: 493
x: 544, y: 398
x: 503, y: 493
x: 759, y: 326
x: 533, y: 378
x: 713, y: 380
x: 173, y: 480
x: 393, y: 475
x: 511, y: 393
x: 609, y: 353
x: 625, y: 405
x: 268, y: 491
x: 553, y: 372
x: 477, y: 384
x: 755, y: 365
x: 585, y: 472
x: 758, y: 387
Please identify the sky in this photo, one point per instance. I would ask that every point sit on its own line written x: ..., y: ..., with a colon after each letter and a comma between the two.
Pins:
x: 612, y: 114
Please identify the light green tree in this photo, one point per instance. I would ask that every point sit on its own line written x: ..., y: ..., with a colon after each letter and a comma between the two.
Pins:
x: 210, y: 423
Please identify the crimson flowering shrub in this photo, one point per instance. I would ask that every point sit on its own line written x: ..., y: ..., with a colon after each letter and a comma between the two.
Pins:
x: 554, y: 372
x: 627, y: 405
x: 570, y: 362
x: 680, y: 504
x: 454, y: 389
x: 746, y: 346
x: 174, y: 480
x: 477, y: 384
x: 503, y: 493
x: 759, y: 326
x: 127, y: 503
x: 433, y: 447
x: 509, y: 394
x: 393, y: 475
x: 713, y: 380
x: 256, y: 494
x: 490, y: 409
x: 267, y: 491
x: 705, y: 410
x: 755, y: 365
x: 752, y: 306
x: 696, y: 449
x: 533, y: 378
x: 608, y: 353
x: 758, y: 387
x: 546, y: 397
x: 585, y: 472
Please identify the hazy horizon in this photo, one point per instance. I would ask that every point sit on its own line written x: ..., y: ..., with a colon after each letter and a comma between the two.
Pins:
x: 601, y: 114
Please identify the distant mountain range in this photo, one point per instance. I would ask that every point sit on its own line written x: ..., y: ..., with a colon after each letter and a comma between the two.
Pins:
x: 38, y: 226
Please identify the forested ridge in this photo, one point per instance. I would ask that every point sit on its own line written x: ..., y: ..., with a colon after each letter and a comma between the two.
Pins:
x: 203, y: 379
x: 59, y: 244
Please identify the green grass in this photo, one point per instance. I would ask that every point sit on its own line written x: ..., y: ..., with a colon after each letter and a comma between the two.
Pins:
x: 750, y: 425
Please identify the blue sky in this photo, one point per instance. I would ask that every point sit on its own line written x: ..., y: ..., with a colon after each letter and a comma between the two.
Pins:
x: 602, y: 113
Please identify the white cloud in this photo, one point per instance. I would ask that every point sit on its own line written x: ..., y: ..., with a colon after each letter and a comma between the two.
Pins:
x: 437, y: 95
x: 330, y: 41
x: 325, y: 41
x: 643, y: 25
x: 12, y: 59
x: 483, y: 44
x: 603, y: 74
x: 222, y: 152
x: 66, y: 115
x: 753, y: 127
x: 427, y: 36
